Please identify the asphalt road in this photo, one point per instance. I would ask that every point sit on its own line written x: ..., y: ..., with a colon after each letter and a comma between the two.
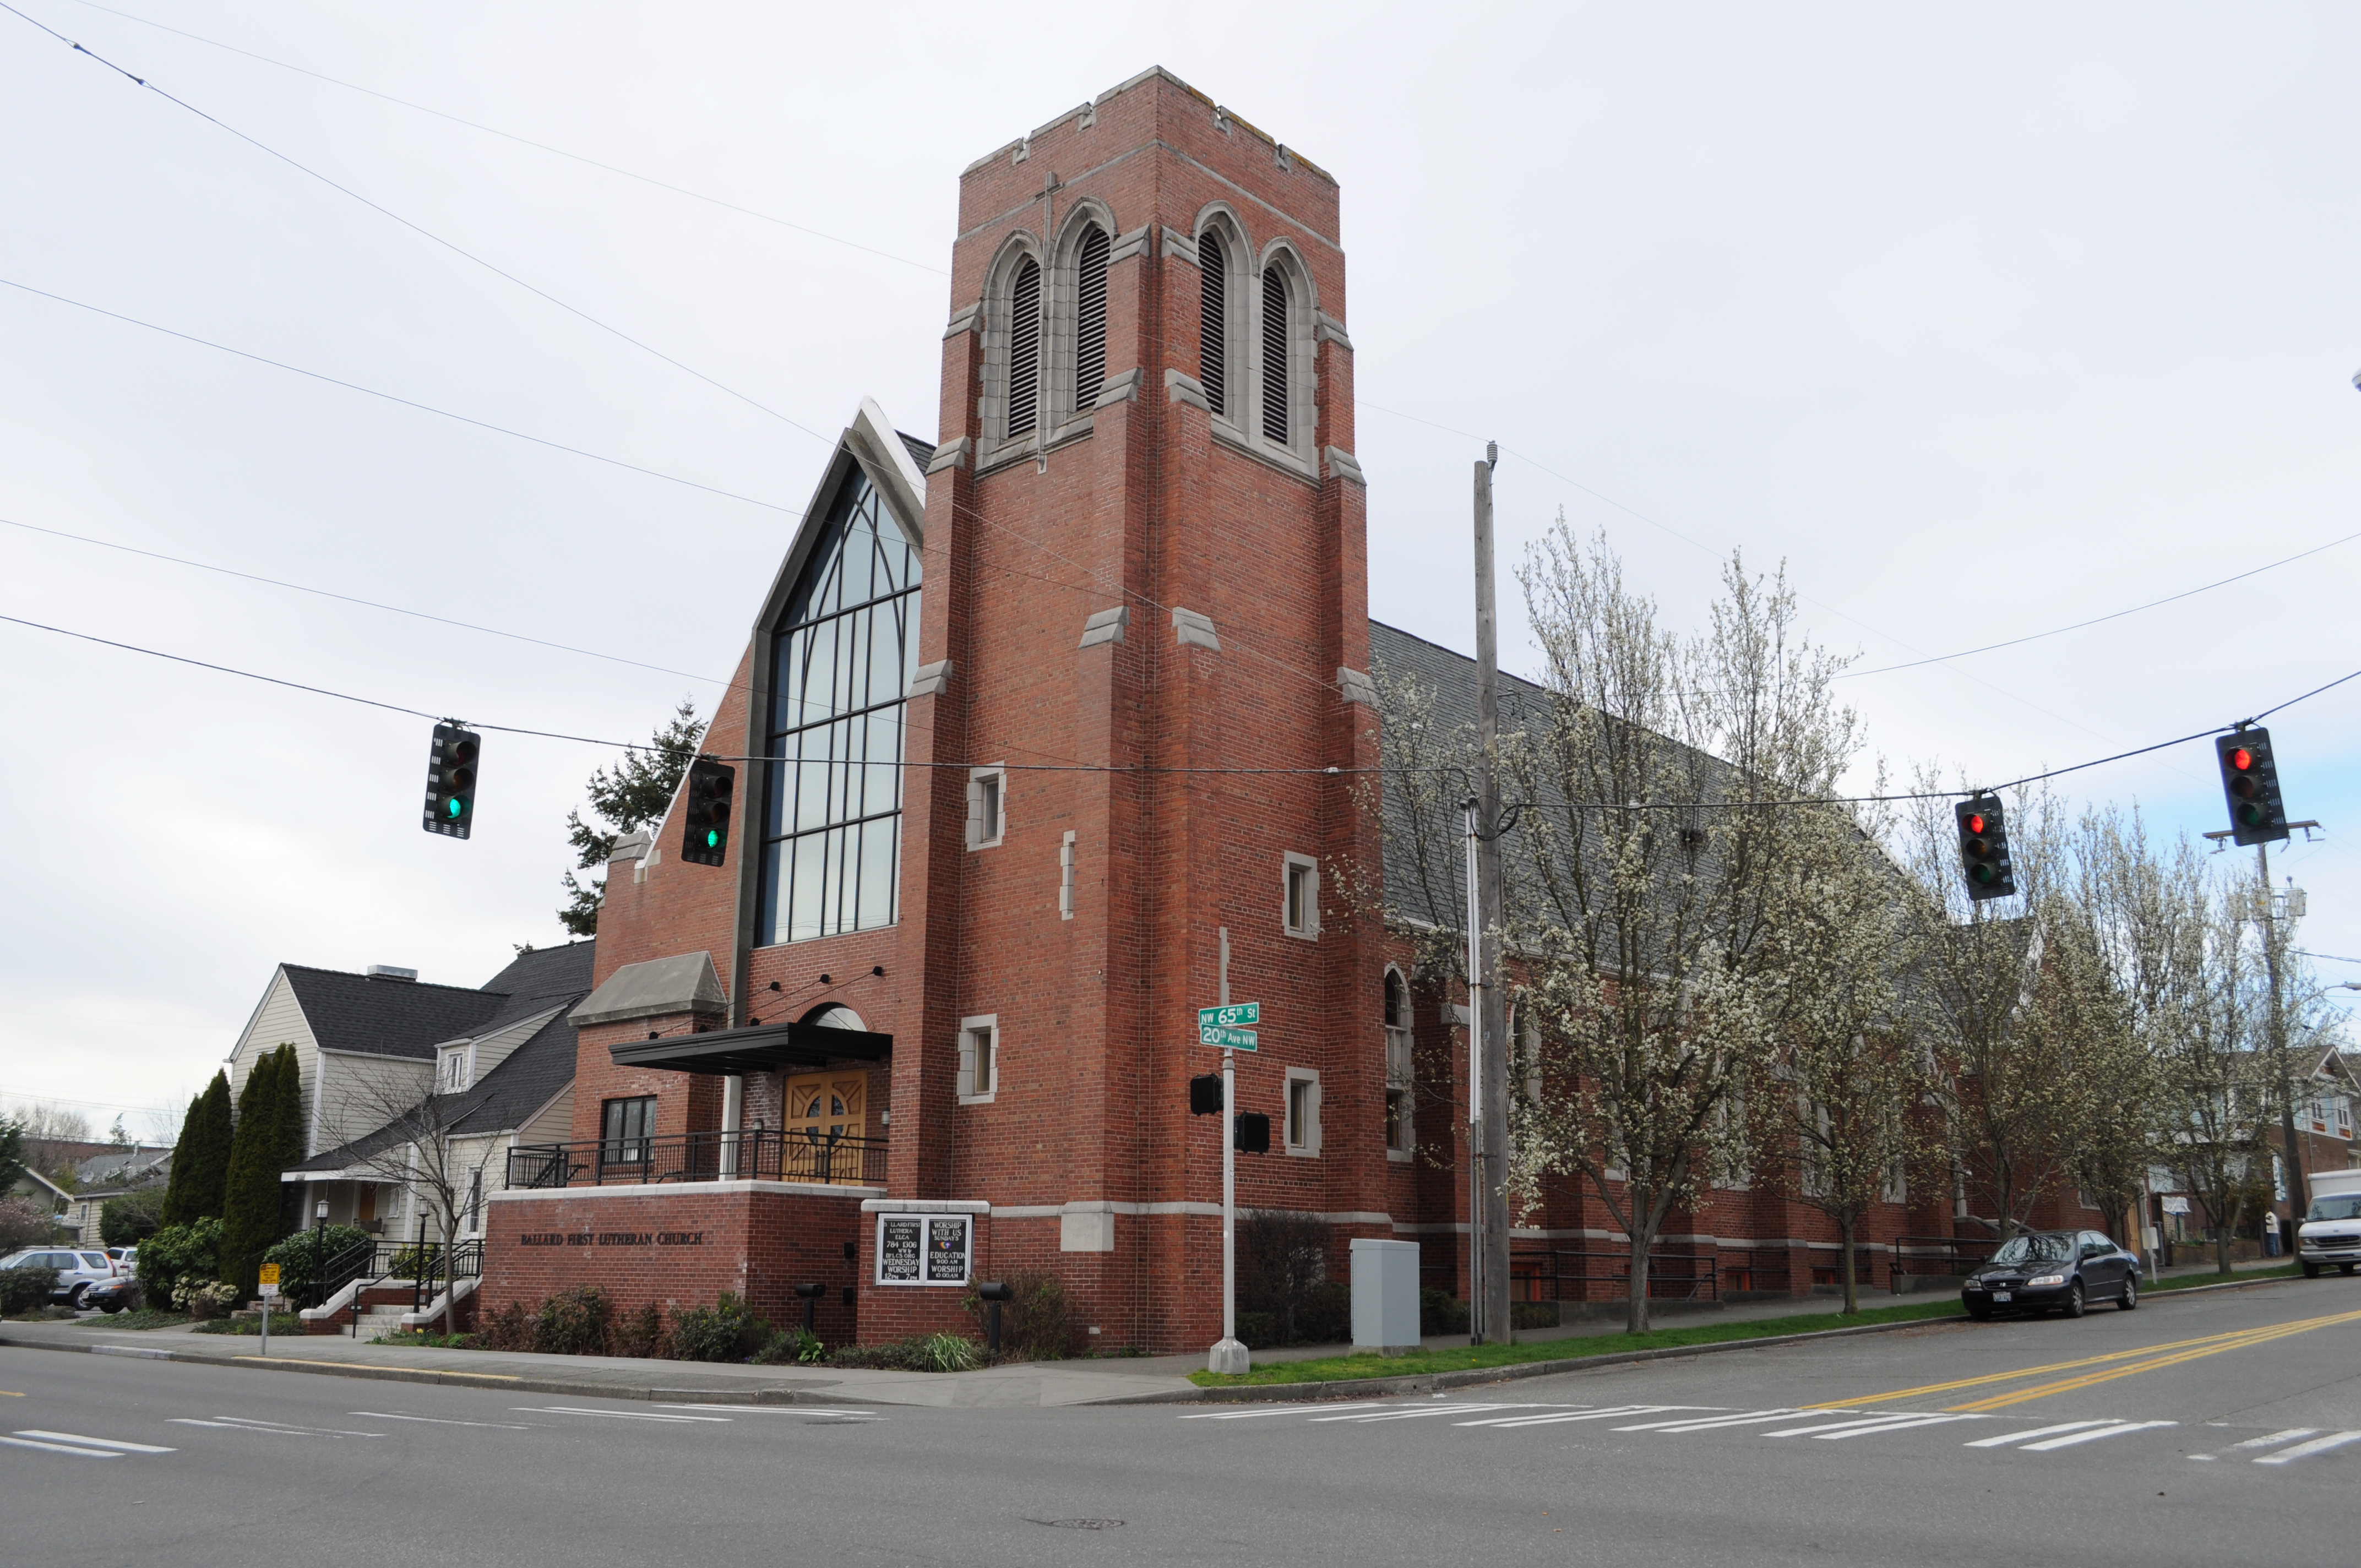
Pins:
x: 2206, y: 1431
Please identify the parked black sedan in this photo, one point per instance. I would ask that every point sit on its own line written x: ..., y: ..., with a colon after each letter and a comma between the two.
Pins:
x: 111, y: 1295
x: 2061, y: 1271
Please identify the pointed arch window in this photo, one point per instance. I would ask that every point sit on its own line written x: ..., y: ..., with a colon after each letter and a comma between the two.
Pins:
x: 1275, y: 316
x: 1025, y: 349
x: 1090, y: 317
x: 844, y: 653
x: 1212, y: 327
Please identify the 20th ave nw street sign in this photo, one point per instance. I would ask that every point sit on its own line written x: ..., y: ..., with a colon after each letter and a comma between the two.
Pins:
x: 1229, y: 1040
x: 1229, y: 1017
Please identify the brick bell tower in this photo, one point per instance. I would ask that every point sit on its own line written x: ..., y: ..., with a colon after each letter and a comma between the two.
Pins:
x: 1145, y: 578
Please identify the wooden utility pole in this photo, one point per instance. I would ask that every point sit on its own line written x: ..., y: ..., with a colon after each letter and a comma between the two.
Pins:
x: 1487, y: 1012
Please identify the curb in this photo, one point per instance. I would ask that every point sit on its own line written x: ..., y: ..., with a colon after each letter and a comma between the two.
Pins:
x: 1367, y: 1388
x: 494, y: 1380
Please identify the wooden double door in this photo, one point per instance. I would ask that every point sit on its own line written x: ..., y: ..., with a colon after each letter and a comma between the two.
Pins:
x: 827, y: 1126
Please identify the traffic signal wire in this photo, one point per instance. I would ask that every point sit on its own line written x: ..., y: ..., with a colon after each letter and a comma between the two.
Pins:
x: 522, y: 141
x: 1121, y: 768
x: 419, y: 229
x: 391, y: 397
x: 751, y: 403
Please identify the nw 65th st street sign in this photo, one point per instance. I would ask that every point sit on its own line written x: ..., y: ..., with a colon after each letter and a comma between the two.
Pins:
x: 1229, y: 1017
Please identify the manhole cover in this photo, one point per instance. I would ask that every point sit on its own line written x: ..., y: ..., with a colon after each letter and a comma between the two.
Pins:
x: 1081, y: 1524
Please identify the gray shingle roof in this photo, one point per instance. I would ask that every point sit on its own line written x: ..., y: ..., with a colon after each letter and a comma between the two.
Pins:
x: 385, y: 1017
x: 922, y: 452
x: 527, y: 1079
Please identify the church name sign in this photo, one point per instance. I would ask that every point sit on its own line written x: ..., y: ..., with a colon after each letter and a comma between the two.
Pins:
x: 924, y: 1249
x: 612, y: 1238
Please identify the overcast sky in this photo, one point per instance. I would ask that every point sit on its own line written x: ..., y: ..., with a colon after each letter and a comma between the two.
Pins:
x: 1985, y: 319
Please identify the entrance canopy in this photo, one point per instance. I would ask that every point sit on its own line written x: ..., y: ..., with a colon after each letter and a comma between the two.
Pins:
x: 765, y: 1048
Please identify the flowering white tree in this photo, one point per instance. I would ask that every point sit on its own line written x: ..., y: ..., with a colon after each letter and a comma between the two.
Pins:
x: 1656, y: 855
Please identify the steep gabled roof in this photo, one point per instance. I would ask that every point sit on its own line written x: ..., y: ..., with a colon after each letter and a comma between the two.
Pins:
x: 385, y: 1017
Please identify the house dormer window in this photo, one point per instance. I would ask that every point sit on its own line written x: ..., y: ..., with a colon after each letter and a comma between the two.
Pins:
x: 455, y: 1069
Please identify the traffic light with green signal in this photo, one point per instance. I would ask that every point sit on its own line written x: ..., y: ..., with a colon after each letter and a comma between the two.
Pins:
x: 451, y: 781
x: 2250, y: 783
x: 1983, y: 847
x: 705, y: 815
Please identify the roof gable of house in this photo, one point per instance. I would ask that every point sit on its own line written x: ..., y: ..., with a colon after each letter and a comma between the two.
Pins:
x: 365, y: 1017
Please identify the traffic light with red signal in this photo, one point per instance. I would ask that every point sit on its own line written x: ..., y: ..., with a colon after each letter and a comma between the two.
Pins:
x: 705, y: 814
x: 1983, y: 847
x: 451, y: 781
x: 2250, y: 783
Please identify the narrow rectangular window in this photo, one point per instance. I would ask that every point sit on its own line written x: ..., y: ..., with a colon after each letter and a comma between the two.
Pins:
x: 1303, y: 1132
x: 1213, y: 324
x: 1089, y: 319
x: 987, y: 817
x: 1398, y: 1124
x: 1066, y: 878
x: 1274, y: 357
x: 1024, y: 349
x: 1300, y: 896
x: 979, y: 1065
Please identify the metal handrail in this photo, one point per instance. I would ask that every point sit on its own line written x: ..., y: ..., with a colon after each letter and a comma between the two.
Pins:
x: 1938, y: 1256
x: 1570, y: 1275
x: 759, y: 1155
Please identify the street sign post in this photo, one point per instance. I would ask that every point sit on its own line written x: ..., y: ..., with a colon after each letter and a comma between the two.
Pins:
x: 1229, y: 1017
x: 269, y: 1280
x: 1228, y: 1039
x: 1219, y: 1026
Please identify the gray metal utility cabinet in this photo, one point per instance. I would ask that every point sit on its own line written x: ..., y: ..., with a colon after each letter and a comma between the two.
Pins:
x: 1385, y: 1296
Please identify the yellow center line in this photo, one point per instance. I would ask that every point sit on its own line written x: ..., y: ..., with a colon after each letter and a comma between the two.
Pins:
x: 2068, y: 1385
x: 2229, y: 1340
x: 2023, y: 1372
x: 11, y: 1393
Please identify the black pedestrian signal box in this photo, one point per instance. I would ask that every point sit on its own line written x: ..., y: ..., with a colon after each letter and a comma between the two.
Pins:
x: 1205, y: 1094
x: 451, y: 781
x: 705, y: 814
x: 2250, y: 783
x: 1252, y: 1132
x: 1983, y: 847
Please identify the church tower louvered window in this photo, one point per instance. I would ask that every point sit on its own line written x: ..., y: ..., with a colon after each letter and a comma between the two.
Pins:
x: 1213, y: 325
x: 1274, y: 356
x: 1025, y: 349
x: 1089, y: 318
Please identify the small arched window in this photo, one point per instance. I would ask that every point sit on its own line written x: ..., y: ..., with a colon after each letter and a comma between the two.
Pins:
x: 1274, y: 356
x: 1089, y: 318
x: 1400, y: 1135
x: 1213, y: 320
x: 1397, y: 1000
x: 1025, y: 349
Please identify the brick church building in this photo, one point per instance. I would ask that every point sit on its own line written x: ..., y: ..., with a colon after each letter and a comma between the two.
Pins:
x: 1047, y: 732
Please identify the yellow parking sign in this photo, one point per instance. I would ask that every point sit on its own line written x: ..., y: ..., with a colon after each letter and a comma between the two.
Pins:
x: 269, y: 1274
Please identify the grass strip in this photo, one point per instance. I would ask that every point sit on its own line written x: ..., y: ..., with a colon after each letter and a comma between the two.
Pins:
x: 1461, y: 1358
x: 138, y: 1318
x: 2189, y: 1281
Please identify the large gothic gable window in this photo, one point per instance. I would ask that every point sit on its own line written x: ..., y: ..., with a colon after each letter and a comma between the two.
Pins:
x: 845, y: 650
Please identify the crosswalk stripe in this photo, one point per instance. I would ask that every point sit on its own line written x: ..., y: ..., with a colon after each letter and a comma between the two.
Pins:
x: 1689, y: 1423
x: 1280, y: 1411
x: 2009, y: 1439
x: 60, y: 1448
x: 2119, y: 1429
x: 1513, y: 1423
x: 2306, y: 1449
x: 95, y: 1441
x: 1415, y: 1412
x: 1912, y: 1425
x: 2274, y: 1439
x: 1839, y: 1426
x: 618, y: 1415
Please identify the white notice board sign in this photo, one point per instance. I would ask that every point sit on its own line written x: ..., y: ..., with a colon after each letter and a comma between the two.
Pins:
x: 924, y: 1249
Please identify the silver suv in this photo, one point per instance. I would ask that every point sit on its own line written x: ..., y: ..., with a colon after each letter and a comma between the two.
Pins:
x: 77, y: 1270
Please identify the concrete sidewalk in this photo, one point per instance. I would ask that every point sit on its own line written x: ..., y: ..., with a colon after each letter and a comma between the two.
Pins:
x: 1056, y: 1383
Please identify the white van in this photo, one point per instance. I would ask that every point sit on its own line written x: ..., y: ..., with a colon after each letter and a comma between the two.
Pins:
x: 2330, y: 1232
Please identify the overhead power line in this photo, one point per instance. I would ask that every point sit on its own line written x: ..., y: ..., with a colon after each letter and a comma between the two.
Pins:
x: 419, y: 229
x: 391, y: 397
x: 520, y: 140
x: 1109, y: 768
